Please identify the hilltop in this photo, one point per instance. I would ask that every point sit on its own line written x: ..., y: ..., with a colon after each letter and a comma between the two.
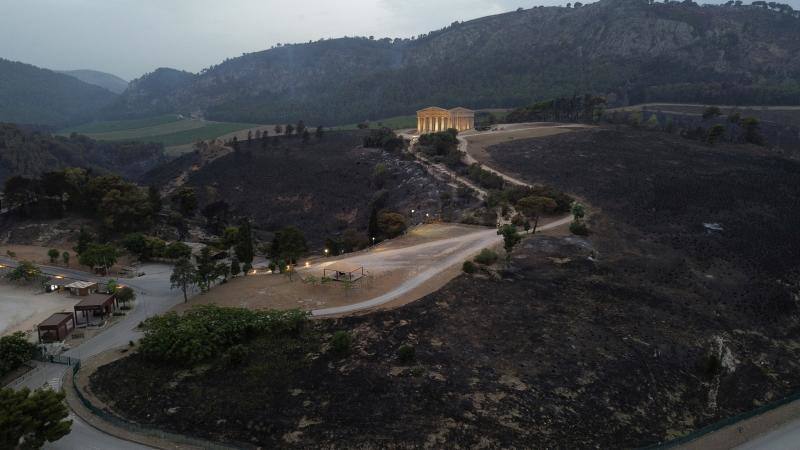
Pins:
x: 31, y: 95
x: 630, y: 51
x: 105, y: 80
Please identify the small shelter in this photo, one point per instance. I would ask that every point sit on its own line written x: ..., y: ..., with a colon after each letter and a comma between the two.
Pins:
x: 56, y: 327
x: 82, y: 288
x: 343, y: 272
x: 95, y: 304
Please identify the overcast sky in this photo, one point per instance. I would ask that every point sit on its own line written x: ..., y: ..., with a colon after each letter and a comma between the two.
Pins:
x: 131, y: 37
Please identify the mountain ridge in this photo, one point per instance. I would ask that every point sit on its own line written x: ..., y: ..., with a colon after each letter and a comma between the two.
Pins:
x: 33, y: 95
x: 629, y: 50
x: 105, y: 80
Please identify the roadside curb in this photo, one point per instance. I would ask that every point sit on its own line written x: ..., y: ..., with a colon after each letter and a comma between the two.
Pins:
x: 80, y: 402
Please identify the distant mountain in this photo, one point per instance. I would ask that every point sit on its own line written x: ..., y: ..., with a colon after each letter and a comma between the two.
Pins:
x: 630, y: 50
x: 105, y: 80
x: 30, y: 153
x: 150, y: 94
x: 32, y: 95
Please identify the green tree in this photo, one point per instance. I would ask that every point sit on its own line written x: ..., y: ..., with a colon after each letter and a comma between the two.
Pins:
x: 184, y: 275
x: 125, y: 295
x: 235, y: 267
x: 177, y: 250
x: 99, y: 255
x: 711, y: 112
x: 112, y: 286
x: 301, y: 127
x: 154, y: 197
x: 207, y: 271
x: 278, y: 130
x: 186, y: 201
x: 53, y: 254
x: 15, y: 350
x: 288, y: 245
x: 289, y: 129
x: 319, y: 133
x: 230, y: 236
x: 534, y: 207
x: 30, y: 419
x: 752, y: 131
x: 25, y: 271
x: 578, y: 211
x: 306, y: 136
x: 391, y: 224
x: 714, y: 134
x: 510, y: 239
x: 84, y: 239
x: 244, y: 243
x: 65, y: 258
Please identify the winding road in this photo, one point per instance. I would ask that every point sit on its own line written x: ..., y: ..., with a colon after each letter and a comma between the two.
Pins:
x: 154, y: 296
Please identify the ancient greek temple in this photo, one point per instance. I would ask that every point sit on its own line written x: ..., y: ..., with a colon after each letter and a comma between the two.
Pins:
x: 433, y: 119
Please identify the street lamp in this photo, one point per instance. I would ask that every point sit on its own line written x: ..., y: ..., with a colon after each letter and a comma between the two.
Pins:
x: 326, y: 252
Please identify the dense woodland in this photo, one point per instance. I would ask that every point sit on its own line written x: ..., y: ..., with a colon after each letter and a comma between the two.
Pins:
x: 31, y: 153
x: 32, y: 95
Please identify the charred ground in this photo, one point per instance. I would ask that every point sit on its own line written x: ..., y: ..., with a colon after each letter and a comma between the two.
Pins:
x: 652, y: 327
x: 324, y: 186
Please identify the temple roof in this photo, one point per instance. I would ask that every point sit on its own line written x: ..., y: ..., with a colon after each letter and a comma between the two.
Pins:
x: 432, y: 109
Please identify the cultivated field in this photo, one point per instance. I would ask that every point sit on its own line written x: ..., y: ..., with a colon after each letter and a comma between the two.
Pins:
x: 169, y: 130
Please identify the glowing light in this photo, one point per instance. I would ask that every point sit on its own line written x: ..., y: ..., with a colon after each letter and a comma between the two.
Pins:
x: 308, y: 264
x: 58, y: 277
x: 413, y: 211
x: 326, y: 251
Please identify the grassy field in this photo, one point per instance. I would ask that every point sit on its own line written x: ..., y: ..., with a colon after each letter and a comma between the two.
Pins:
x: 168, y: 130
x: 121, y: 125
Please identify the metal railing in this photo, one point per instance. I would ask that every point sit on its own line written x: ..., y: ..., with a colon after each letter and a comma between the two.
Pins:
x: 716, y: 426
x: 146, y: 431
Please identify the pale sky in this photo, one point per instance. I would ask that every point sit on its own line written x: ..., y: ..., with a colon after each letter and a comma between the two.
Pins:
x: 131, y: 37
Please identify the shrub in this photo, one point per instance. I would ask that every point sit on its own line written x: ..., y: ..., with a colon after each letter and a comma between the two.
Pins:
x: 406, y: 354
x: 206, y: 331
x: 486, y: 257
x: 53, y: 254
x: 341, y: 342
x: 15, y: 350
x: 468, y: 267
x: 579, y: 228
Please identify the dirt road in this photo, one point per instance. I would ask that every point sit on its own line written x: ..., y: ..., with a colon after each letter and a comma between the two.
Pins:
x: 444, y: 253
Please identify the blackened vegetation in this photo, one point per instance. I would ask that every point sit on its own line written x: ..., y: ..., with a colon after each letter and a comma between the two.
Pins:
x: 324, y: 186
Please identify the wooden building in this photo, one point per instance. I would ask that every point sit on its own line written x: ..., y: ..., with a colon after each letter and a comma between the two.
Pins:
x: 56, y: 327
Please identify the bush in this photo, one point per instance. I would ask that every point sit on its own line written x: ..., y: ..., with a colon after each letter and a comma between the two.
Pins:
x: 406, y: 354
x: 486, y: 257
x: 341, y: 342
x: 15, y: 351
x: 468, y: 267
x: 206, y: 331
x: 579, y: 228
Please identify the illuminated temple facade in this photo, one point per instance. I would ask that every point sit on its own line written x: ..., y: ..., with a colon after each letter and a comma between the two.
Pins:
x: 433, y: 119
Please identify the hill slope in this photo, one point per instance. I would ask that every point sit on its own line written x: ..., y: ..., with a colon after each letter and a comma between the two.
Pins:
x: 105, y: 80
x: 32, y: 95
x: 635, y: 51
x: 31, y: 153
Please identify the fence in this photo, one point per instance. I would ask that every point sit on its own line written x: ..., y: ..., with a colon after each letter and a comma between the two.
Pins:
x: 139, y: 429
x: 725, y: 422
